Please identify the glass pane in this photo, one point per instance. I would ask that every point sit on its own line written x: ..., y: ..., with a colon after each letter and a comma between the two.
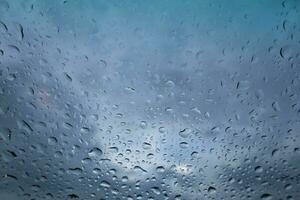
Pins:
x: 162, y: 99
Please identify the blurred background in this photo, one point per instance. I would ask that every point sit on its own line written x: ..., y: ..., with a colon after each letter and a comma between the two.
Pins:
x: 150, y: 100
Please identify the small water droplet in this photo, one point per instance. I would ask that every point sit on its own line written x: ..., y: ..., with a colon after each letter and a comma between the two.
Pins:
x: 211, y: 190
x: 95, y: 152
x: 266, y: 196
x: 105, y: 184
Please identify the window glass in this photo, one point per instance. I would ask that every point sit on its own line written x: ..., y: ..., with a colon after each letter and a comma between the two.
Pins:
x: 149, y: 100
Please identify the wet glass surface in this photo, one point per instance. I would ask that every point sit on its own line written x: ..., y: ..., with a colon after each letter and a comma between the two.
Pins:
x: 150, y: 100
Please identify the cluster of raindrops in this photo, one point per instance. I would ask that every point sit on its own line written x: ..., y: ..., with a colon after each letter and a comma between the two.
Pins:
x: 125, y: 100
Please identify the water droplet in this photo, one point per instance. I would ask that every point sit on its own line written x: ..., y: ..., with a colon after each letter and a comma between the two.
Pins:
x: 76, y: 171
x: 68, y: 77
x: 211, y: 190
x: 95, y: 152
x: 184, y: 145
x: 143, y: 124
x: 259, y: 169
x: 266, y: 196
x: 21, y: 30
x: 52, y: 140
x: 185, y: 132
x: 105, y: 184
x: 139, y: 169
x: 146, y: 145
x: 275, y: 106
x: 160, y: 169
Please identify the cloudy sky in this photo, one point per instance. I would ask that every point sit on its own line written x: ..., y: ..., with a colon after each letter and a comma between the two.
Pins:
x: 149, y: 99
